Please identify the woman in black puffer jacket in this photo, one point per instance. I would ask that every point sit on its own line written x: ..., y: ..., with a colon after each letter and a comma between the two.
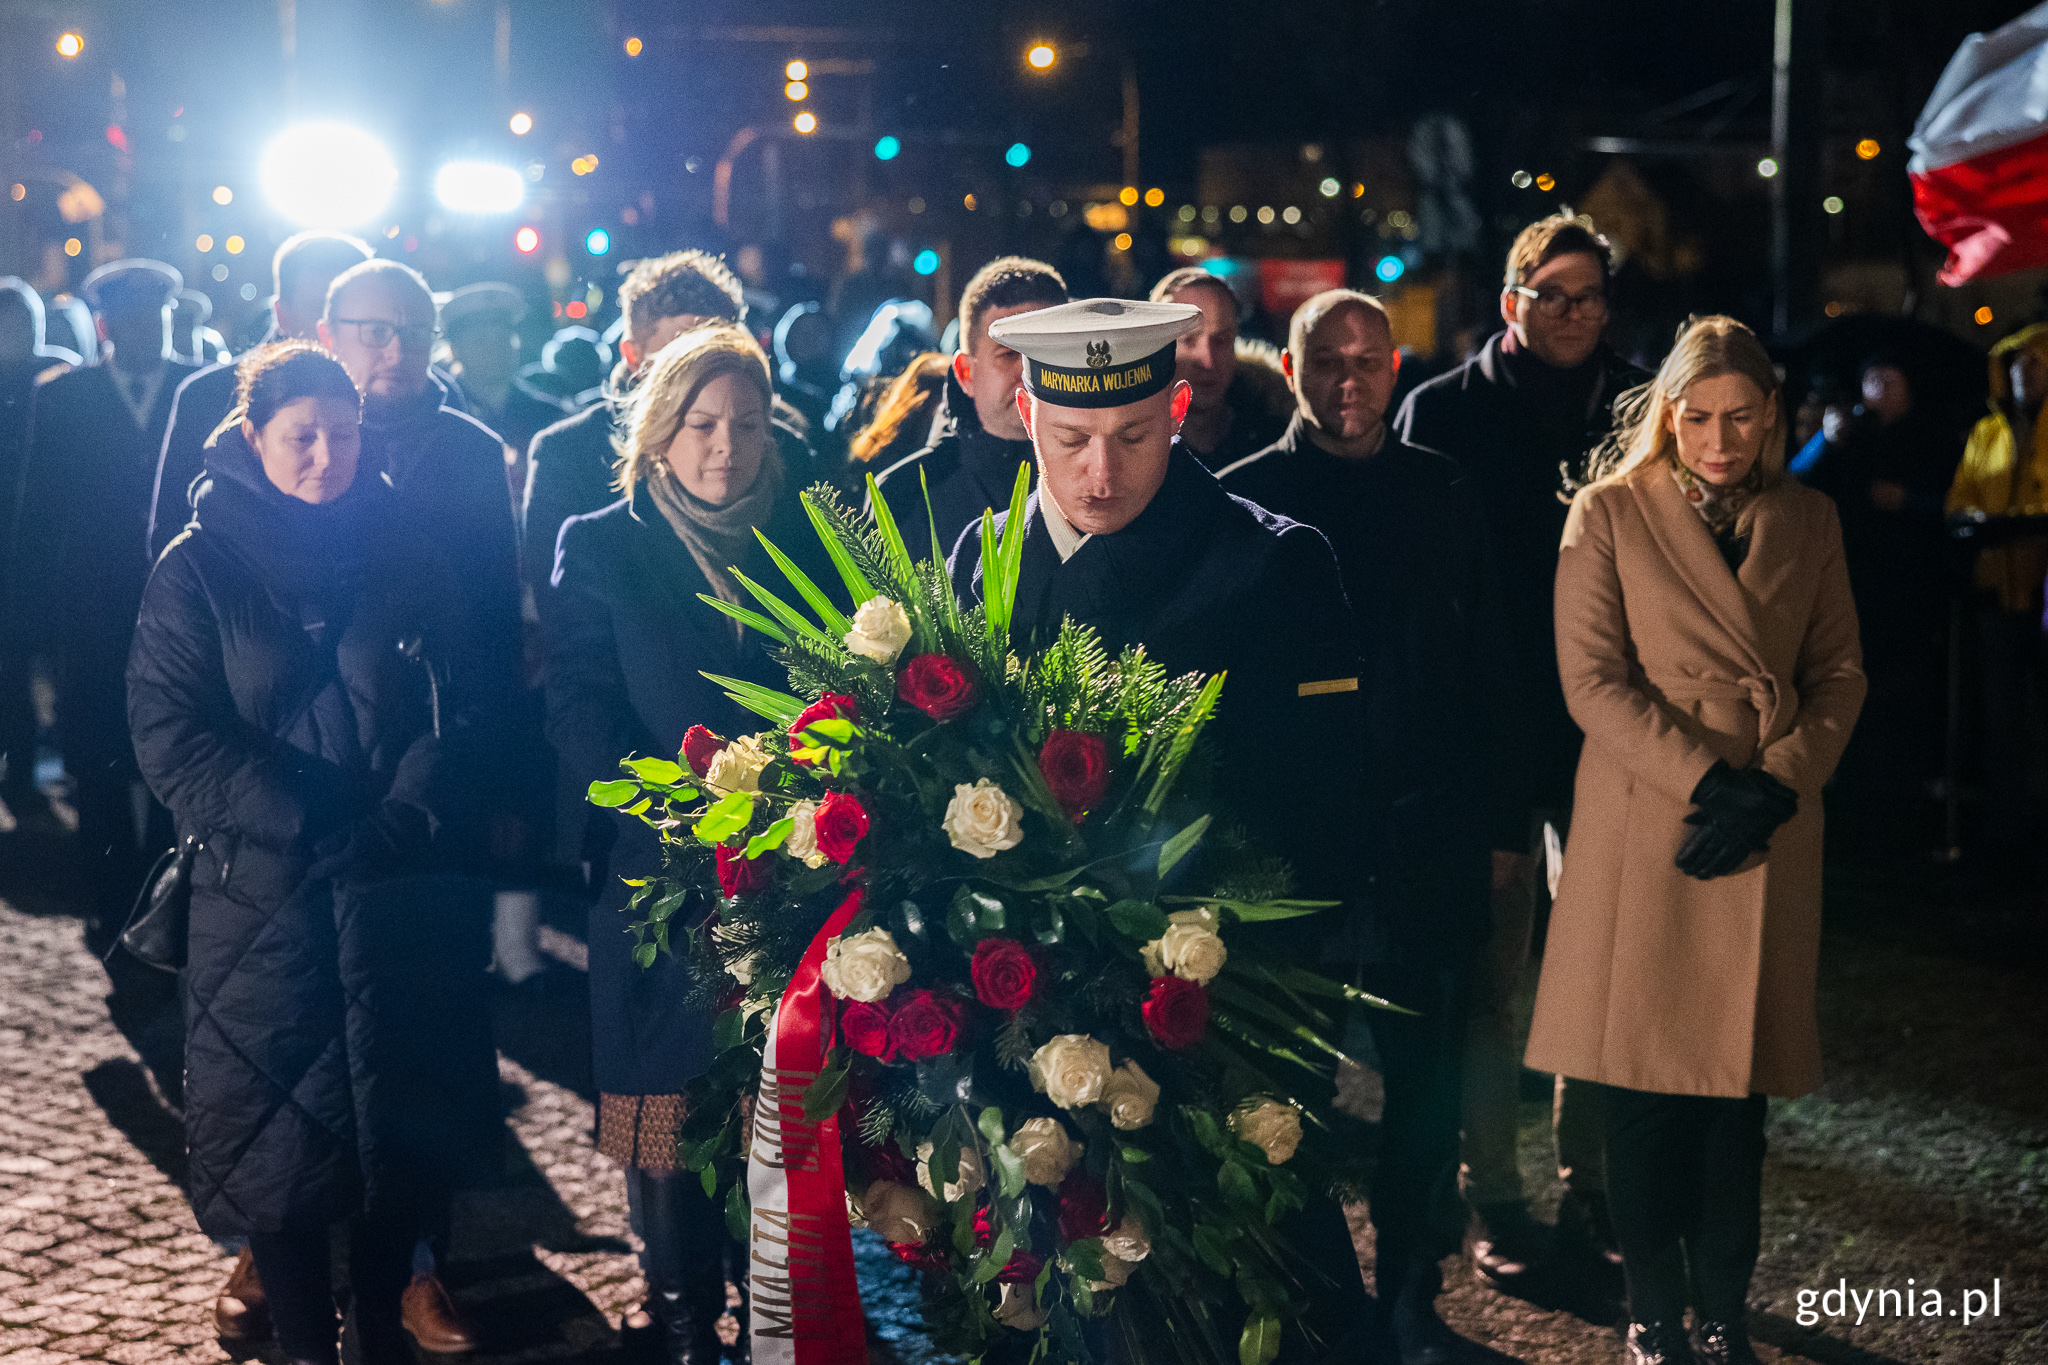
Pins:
x: 298, y: 705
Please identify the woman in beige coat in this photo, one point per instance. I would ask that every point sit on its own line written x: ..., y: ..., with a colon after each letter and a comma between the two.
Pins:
x: 1708, y: 648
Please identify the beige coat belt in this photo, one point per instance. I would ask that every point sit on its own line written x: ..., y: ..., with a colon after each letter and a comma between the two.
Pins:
x: 1762, y: 691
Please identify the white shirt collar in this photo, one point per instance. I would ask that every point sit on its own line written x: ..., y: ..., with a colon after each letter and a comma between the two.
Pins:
x: 1065, y: 539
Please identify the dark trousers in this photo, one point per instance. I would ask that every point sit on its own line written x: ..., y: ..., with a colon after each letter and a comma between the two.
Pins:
x: 684, y: 1238
x: 1414, y: 1188
x: 1685, y: 1190
x: 298, y: 1283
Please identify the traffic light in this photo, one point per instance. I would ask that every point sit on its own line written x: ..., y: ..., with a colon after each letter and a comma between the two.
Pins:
x: 887, y: 147
x: 597, y: 242
x: 1018, y: 154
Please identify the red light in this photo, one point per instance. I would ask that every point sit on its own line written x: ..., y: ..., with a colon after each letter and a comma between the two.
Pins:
x: 117, y: 137
x: 576, y: 308
x: 527, y: 240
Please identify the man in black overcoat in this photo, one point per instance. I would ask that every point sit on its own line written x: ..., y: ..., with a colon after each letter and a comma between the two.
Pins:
x: 85, y: 489
x: 305, y: 264
x: 23, y: 361
x: 1127, y: 533
x: 1409, y: 542
x: 1517, y: 417
x: 977, y: 439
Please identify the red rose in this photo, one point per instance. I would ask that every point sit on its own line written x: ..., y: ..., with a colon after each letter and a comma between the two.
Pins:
x: 1176, y: 1012
x: 739, y: 875
x: 1023, y: 1268
x: 700, y: 746
x: 1076, y: 768
x: 1084, y: 1207
x: 937, y: 686
x: 841, y: 822
x: 1004, y: 973
x: 831, y: 706
x: 926, y: 1024
x: 866, y: 1028
x: 918, y: 1256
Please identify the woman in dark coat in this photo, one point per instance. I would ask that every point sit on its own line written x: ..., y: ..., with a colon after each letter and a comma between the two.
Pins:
x: 288, y: 692
x: 629, y: 642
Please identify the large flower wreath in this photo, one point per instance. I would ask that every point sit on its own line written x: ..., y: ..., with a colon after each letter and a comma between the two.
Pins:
x: 981, y: 969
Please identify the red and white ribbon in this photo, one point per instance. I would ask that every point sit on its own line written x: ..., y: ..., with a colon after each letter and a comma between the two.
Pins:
x: 805, y: 1302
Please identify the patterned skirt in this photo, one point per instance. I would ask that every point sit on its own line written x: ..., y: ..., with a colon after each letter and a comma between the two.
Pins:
x: 640, y: 1130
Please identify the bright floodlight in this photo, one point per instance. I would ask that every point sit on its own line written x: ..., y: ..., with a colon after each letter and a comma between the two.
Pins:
x: 479, y: 187
x: 327, y: 175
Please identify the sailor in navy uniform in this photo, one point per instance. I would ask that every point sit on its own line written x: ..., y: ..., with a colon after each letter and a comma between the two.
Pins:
x: 1126, y: 532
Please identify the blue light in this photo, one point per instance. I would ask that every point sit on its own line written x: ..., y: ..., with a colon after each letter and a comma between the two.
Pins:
x: 926, y: 262
x: 598, y: 242
x: 887, y: 147
x: 1018, y: 154
x: 1390, y: 268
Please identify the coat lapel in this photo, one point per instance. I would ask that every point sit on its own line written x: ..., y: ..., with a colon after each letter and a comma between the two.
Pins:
x: 1774, y: 549
x: 1688, y: 546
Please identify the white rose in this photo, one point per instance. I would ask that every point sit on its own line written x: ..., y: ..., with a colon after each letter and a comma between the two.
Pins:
x: 737, y: 767
x: 982, y: 820
x: 899, y: 1213
x: 1019, y: 1308
x: 1071, y: 1070
x: 1128, y: 1243
x: 1046, y: 1150
x: 1191, y: 948
x: 972, y: 1176
x: 1130, y: 1096
x: 1114, y: 1272
x: 803, y: 834
x: 1271, y: 1126
x: 865, y: 967
x: 880, y: 630
x: 742, y: 969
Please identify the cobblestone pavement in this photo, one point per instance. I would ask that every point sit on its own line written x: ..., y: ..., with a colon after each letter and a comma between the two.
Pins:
x: 1904, y: 1164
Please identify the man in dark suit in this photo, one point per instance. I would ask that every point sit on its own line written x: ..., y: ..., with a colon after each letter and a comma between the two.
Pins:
x: 94, y: 435
x: 977, y: 440
x: 1126, y: 532
x: 305, y: 264
x: 1412, y: 549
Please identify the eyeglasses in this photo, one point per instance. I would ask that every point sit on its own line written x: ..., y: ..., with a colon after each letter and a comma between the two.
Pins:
x: 377, y: 333
x: 1554, y: 306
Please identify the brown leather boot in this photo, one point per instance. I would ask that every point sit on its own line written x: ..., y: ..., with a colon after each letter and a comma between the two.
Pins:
x: 431, y: 1316
x: 240, y: 1314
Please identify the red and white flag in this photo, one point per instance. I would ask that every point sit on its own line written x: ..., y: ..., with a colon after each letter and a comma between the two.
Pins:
x: 1980, y: 153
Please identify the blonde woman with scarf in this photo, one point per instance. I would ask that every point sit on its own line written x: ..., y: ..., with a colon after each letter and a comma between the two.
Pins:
x: 1708, y: 647
x: 630, y: 640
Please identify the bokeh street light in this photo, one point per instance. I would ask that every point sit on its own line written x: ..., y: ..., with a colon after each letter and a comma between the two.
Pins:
x: 223, y: 196
x: 805, y: 123
x: 479, y: 187
x: 797, y: 71
x: 1041, y: 56
x: 796, y: 90
x: 327, y: 175
x: 70, y: 45
x: 522, y: 124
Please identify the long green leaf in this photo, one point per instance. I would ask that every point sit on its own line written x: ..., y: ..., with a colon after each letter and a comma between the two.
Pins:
x: 762, y: 701
x: 894, y: 552
x: 1236, y: 1000
x: 1198, y: 713
x: 931, y: 520
x: 857, y: 585
x: 746, y: 618
x: 995, y: 606
x: 1177, y: 847
x: 788, y: 615
x: 835, y: 620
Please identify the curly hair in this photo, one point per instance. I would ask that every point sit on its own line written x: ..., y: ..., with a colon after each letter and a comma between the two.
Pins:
x: 681, y: 284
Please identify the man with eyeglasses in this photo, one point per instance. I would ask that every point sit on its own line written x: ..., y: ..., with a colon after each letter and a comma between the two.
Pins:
x: 1520, y: 417
x: 448, y: 470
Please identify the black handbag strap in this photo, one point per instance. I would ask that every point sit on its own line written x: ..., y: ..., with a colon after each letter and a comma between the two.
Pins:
x: 174, y: 861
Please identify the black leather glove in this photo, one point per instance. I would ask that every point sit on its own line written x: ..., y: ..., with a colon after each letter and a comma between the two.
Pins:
x: 1738, y: 811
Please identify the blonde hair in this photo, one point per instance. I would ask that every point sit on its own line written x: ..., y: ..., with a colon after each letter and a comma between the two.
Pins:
x: 678, y: 374
x: 1707, y: 347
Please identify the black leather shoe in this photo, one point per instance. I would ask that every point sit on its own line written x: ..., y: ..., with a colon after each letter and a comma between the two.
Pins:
x: 1507, y: 1243
x: 1722, y: 1343
x: 1657, y: 1343
x: 689, y: 1325
x: 1584, y: 1231
x: 1419, y: 1337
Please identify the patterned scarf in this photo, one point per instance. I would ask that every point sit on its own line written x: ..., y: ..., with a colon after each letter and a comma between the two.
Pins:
x: 1719, y: 507
x: 719, y: 537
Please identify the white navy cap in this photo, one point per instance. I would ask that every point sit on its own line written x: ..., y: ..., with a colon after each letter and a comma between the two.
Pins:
x: 1097, y: 353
